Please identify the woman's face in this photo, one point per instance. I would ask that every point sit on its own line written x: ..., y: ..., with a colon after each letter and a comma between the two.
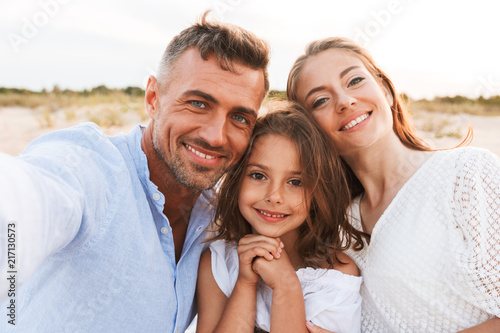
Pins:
x: 350, y: 104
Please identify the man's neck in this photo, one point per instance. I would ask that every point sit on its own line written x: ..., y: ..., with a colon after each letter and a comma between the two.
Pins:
x: 176, y: 194
x: 179, y: 199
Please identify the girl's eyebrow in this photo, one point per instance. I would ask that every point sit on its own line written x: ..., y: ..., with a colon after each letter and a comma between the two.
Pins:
x: 260, y: 166
x: 263, y: 167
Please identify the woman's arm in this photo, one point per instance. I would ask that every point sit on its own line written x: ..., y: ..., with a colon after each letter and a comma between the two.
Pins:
x: 477, y: 211
x: 489, y: 326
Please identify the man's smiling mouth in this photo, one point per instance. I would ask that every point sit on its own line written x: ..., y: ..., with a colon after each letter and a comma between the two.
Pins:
x: 202, y: 155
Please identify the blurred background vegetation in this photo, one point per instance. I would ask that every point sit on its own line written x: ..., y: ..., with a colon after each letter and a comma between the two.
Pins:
x: 442, y: 121
x: 58, y: 98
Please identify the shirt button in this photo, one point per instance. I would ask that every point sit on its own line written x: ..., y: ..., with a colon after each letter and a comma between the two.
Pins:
x: 164, y: 230
x: 176, y: 330
x: 156, y: 196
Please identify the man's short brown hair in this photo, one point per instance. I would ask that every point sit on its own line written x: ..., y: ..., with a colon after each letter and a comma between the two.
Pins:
x: 229, y: 43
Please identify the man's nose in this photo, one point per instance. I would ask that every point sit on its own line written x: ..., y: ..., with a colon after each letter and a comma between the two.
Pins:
x: 214, y: 131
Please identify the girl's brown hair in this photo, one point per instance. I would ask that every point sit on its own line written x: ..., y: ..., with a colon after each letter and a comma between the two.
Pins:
x: 326, y: 229
x: 402, y: 124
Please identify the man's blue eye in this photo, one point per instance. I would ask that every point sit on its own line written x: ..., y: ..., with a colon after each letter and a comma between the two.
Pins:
x: 240, y: 119
x: 198, y: 104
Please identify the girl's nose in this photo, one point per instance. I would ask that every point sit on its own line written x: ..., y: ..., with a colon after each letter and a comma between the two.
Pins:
x: 275, y: 195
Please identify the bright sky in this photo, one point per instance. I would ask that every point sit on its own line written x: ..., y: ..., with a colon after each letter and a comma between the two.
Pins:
x: 429, y: 48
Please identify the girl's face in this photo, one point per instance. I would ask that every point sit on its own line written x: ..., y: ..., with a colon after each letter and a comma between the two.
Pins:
x: 271, y: 197
x: 349, y: 103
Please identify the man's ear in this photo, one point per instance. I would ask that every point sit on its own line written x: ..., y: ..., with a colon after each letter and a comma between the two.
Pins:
x: 151, y: 97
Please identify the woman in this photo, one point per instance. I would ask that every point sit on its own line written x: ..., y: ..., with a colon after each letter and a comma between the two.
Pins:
x: 433, y: 259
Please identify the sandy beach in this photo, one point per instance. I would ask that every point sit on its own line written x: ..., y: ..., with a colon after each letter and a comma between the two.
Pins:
x: 19, y: 126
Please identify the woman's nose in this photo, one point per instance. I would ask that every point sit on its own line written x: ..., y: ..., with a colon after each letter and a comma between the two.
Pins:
x: 345, y: 101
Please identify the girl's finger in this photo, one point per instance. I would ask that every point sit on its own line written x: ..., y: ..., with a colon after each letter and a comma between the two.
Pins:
x: 315, y: 329
x: 271, y: 248
x: 248, y: 254
x: 274, y: 245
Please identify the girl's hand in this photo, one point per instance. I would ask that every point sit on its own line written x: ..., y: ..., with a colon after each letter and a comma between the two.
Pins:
x: 252, y: 247
x: 277, y: 273
x: 315, y: 329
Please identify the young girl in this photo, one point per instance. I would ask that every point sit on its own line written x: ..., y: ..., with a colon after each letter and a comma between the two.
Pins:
x: 282, y: 227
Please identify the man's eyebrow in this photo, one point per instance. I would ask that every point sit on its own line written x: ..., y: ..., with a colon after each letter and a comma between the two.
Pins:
x: 243, y: 109
x: 201, y: 94
x: 212, y: 99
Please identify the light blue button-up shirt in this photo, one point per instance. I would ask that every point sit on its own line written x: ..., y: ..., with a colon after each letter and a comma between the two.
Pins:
x: 110, y: 260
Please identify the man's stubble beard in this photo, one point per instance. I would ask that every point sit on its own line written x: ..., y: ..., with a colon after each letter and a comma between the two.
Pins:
x: 200, y: 181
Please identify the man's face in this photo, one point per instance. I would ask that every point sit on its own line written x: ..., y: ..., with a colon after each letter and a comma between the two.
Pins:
x: 203, y: 117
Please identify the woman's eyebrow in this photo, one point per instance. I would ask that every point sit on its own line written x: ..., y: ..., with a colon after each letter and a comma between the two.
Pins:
x: 347, y: 70
x: 312, y: 91
x: 342, y: 74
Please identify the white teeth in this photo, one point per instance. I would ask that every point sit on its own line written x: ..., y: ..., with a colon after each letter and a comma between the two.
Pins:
x: 208, y: 157
x: 354, y: 122
x: 266, y: 214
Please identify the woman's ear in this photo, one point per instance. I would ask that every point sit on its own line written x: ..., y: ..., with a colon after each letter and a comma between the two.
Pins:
x: 151, y: 97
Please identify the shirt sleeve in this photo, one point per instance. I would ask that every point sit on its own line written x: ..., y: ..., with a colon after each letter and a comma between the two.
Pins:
x: 340, y: 318
x: 225, y: 265
x: 56, y: 195
x: 30, y: 228
x: 477, y: 211
x: 334, y: 305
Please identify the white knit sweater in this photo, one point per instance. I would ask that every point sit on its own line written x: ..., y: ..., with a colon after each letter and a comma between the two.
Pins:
x: 433, y: 263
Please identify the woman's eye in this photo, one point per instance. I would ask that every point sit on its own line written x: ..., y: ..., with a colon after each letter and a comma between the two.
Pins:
x: 356, y: 80
x: 319, y: 102
x: 257, y: 176
x: 295, y: 182
x: 198, y: 104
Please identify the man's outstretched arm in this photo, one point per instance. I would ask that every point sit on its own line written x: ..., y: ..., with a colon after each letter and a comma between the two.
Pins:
x: 39, y: 214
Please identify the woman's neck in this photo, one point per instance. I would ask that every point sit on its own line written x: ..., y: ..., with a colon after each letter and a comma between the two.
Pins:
x: 384, y: 168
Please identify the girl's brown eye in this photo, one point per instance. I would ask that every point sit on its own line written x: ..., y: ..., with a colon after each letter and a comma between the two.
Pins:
x: 295, y: 182
x: 257, y: 176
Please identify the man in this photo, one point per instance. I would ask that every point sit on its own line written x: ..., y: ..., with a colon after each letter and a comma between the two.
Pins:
x: 108, y: 231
